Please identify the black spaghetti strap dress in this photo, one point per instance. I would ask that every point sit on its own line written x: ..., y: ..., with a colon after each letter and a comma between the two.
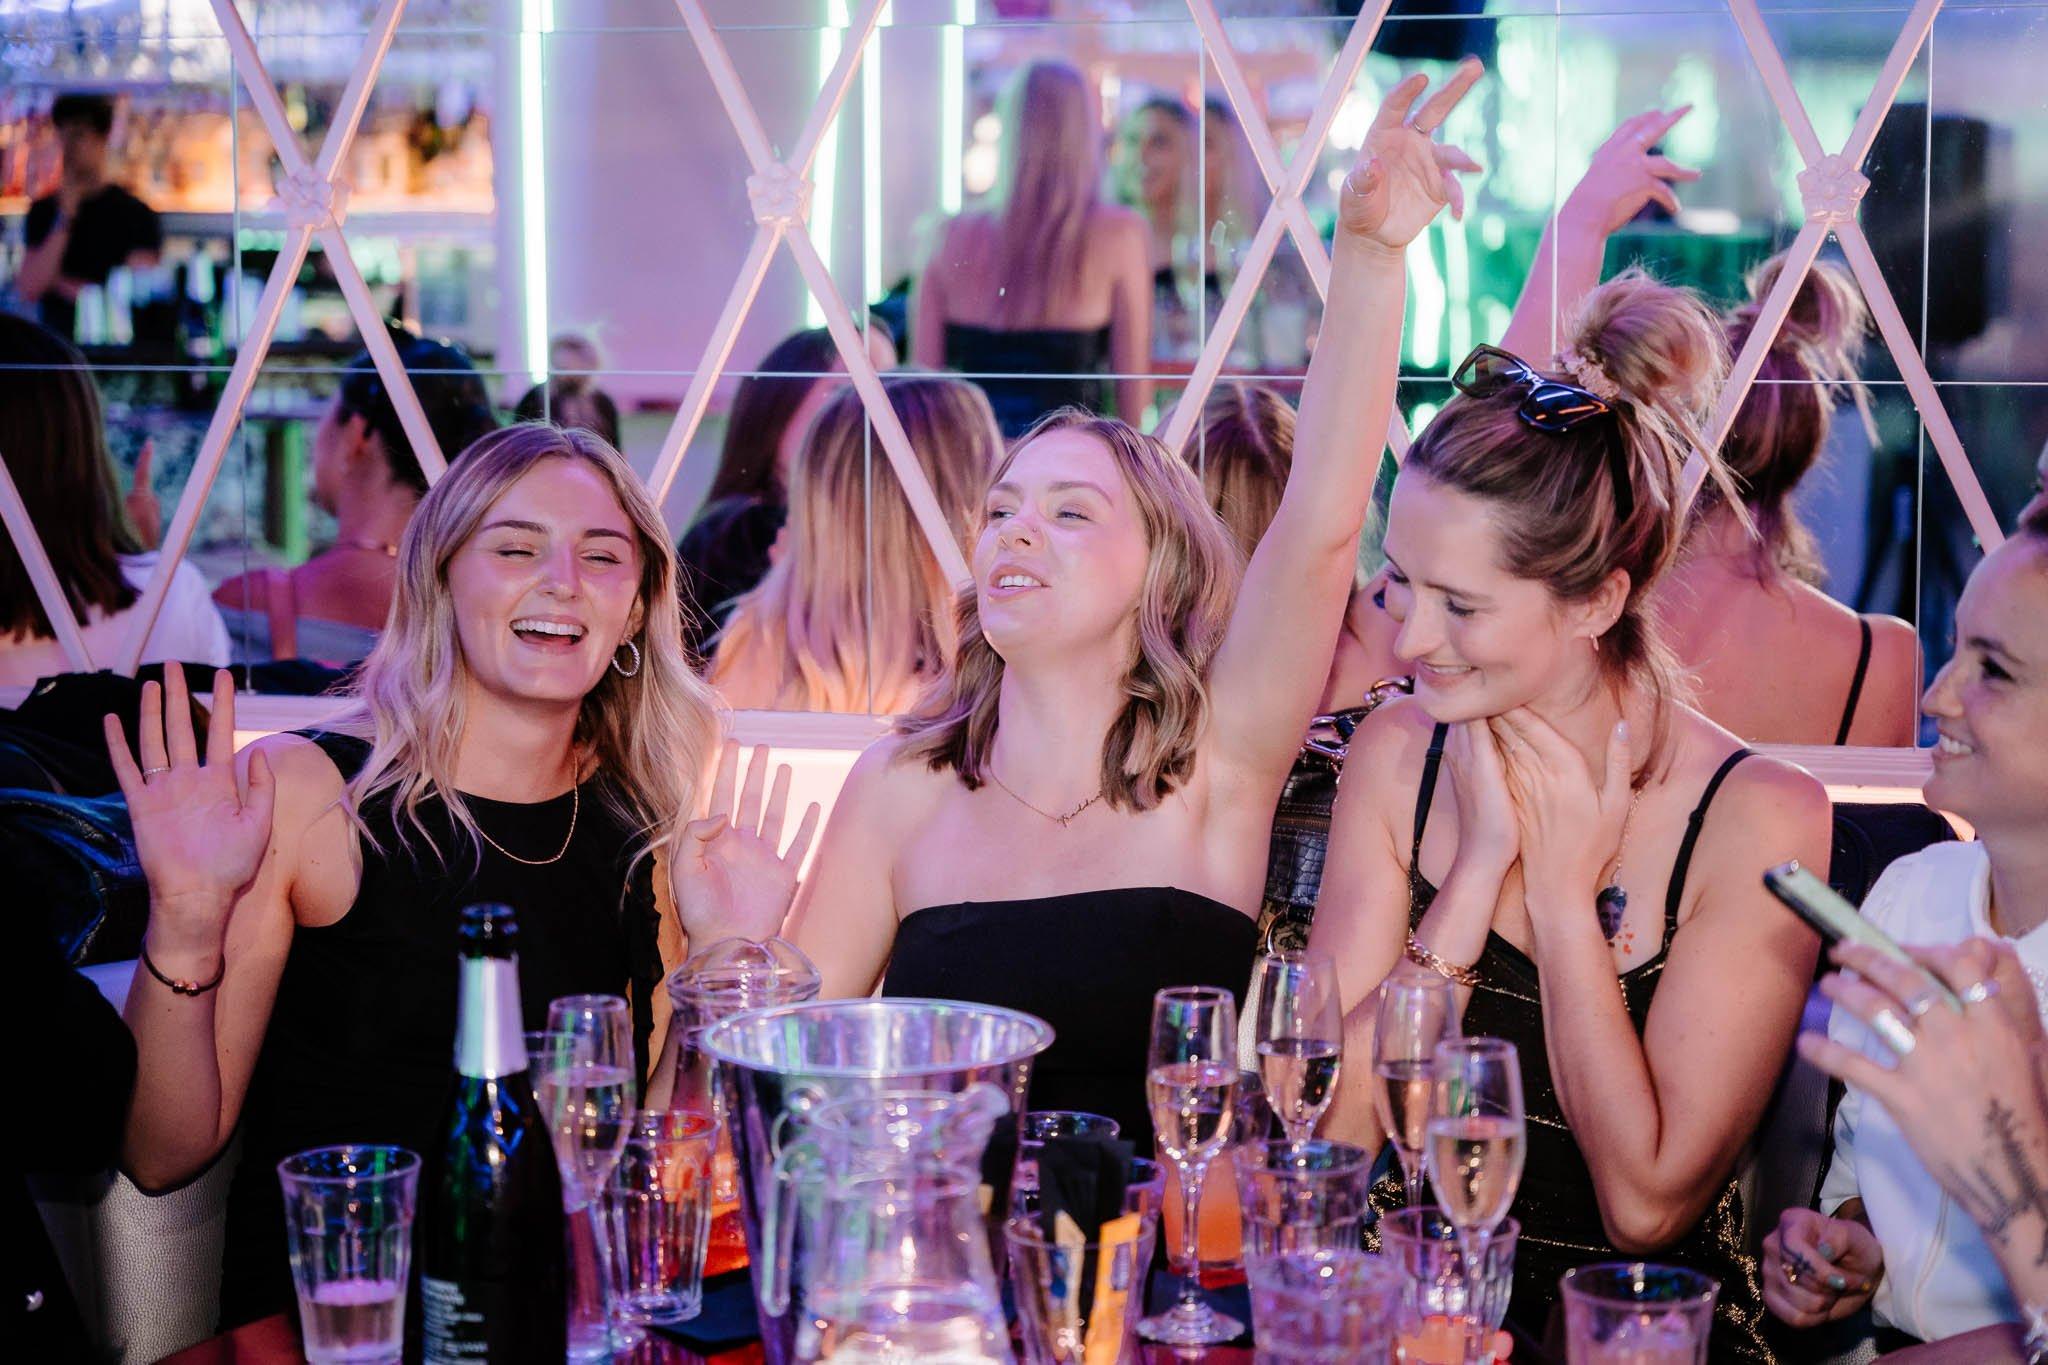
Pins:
x: 1556, y: 1204
x: 1088, y: 964
x: 361, y: 1041
x: 1855, y: 683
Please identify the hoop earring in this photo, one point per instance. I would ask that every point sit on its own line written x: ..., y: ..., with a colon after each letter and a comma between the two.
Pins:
x: 626, y: 672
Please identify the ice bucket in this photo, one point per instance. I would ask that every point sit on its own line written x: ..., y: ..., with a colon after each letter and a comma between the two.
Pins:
x: 776, y: 1066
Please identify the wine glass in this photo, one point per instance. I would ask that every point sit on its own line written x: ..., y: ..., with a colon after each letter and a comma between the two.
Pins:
x: 1416, y: 1012
x: 1191, y: 1072
x: 589, y: 1092
x: 1298, y: 1034
x: 1476, y: 1137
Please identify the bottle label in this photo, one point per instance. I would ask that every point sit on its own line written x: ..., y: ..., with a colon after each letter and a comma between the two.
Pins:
x: 455, y: 1320
x: 488, y: 1041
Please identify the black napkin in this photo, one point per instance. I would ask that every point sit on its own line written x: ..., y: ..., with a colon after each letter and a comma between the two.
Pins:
x: 1084, y: 1178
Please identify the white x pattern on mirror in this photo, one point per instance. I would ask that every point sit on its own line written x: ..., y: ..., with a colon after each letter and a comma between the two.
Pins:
x: 312, y: 203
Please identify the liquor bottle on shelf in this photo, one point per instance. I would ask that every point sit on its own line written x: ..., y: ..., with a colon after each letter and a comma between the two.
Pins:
x: 490, y: 1245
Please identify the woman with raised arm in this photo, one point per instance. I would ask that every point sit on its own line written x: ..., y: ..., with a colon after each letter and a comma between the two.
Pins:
x: 1771, y: 656
x: 297, y: 977
x: 1555, y: 830
x: 1078, y: 812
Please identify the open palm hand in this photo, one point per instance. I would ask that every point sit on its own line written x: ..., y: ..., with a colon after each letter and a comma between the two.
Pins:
x: 1404, y: 177
x: 732, y: 876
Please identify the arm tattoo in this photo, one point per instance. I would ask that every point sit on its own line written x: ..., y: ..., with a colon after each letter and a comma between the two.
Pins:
x: 1995, y: 1203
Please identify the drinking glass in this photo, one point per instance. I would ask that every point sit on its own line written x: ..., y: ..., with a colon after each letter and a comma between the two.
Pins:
x: 1034, y: 1130
x: 1636, y: 1314
x: 1416, y: 1012
x: 348, y: 1227
x: 588, y: 1093
x: 1298, y: 1034
x: 660, y: 1207
x: 1191, y: 1072
x: 1302, y: 1196
x: 1477, y: 1137
x: 1334, y: 1306
x: 1079, y: 1302
x: 1448, y: 1311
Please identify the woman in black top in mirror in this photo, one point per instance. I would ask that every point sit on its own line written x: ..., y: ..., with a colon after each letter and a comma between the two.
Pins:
x: 1077, y: 812
x: 527, y: 730
x: 1548, y: 776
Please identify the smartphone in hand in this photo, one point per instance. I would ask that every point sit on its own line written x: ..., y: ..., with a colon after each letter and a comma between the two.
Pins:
x: 1834, y: 919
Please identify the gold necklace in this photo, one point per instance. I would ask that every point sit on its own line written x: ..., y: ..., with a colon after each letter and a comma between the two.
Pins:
x: 382, y: 547
x: 1061, y: 820
x: 575, y: 803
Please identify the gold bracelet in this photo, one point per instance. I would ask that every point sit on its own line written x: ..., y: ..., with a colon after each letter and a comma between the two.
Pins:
x: 1423, y: 957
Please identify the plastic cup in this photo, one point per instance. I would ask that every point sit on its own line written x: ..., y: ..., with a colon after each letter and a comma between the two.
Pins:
x: 1632, y: 1313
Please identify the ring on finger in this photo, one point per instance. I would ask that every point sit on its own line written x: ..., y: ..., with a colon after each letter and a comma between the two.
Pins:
x: 1794, y: 1267
x: 152, y: 772
x: 1977, y: 992
x: 1919, y: 1003
x: 1896, y: 1033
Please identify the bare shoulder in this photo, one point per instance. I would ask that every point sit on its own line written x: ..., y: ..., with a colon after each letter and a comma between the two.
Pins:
x: 235, y: 591
x: 1389, y: 747
x: 889, y: 788
x: 1116, y: 225
x: 1762, y: 795
x: 1894, y: 644
x: 305, y: 775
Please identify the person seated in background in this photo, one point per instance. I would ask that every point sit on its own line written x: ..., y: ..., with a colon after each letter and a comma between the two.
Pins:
x: 856, y: 614
x: 1244, y: 448
x: 570, y: 397
x: 724, y: 553
x: 366, y: 476
x: 1548, y: 824
x: 54, y: 442
x: 1888, y: 1235
x: 1048, y: 287
x: 1773, y: 658
x: 87, y: 228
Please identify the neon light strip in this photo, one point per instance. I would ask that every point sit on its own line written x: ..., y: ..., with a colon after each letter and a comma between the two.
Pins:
x: 871, y: 168
x: 953, y: 104
x: 538, y: 19
x: 825, y: 177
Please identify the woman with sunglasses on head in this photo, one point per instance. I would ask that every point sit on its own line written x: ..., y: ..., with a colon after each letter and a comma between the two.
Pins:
x: 1554, y: 830
x: 1078, y: 812
x: 528, y: 731
x: 1771, y: 655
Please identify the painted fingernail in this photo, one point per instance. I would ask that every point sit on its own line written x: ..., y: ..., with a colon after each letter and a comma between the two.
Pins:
x: 1837, y: 1283
x: 1827, y: 1251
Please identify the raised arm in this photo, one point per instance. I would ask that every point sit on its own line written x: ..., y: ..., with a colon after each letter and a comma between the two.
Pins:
x: 218, y: 841
x: 1624, y: 176
x: 1661, y: 1118
x: 1270, y: 671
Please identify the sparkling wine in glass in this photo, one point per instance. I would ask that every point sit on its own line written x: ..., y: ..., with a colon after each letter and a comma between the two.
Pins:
x: 589, y: 1092
x: 1415, y: 1013
x: 1476, y: 1137
x: 1190, y: 1082
x: 1299, y: 1035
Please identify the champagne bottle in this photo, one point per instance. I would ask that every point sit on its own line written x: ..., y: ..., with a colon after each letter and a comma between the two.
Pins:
x: 490, y: 1250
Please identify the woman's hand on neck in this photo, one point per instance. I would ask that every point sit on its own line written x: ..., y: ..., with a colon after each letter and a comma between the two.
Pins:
x: 1586, y: 710
x: 515, y: 752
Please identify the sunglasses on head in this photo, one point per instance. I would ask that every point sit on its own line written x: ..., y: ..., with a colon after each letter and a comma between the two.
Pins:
x: 1550, y: 406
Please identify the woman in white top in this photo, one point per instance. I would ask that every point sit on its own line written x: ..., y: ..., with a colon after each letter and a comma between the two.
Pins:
x: 55, y: 445
x: 1892, y: 1235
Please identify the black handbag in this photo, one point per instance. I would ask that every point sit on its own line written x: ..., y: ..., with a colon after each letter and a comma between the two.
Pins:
x: 1301, y: 821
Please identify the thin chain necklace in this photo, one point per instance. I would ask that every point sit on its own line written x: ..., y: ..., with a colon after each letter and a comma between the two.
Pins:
x: 575, y: 803
x: 1061, y: 820
x: 1612, y: 902
x: 382, y: 547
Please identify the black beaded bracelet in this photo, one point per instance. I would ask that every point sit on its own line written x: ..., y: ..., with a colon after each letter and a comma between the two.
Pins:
x: 186, y: 987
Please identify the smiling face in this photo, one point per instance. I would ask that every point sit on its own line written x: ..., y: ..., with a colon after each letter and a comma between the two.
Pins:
x: 1061, y: 558
x: 1990, y: 702
x: 547, y: 586
x: 1482, y: 640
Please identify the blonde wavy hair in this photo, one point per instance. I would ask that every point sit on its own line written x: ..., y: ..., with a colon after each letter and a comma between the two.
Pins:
x: 647, y: 738
x: 1183, y: 611
x: 857, y: 615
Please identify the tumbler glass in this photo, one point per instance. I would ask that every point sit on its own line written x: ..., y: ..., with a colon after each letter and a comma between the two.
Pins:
x: 1448, y: 1314
x: 1034, y: 1130
x: 660, y: 1211
x: 348, y: 1228
x: 1080, y: 1301
x: 1635, y: 1314
x: 1302, y: 1196
x: 1333, y: 1306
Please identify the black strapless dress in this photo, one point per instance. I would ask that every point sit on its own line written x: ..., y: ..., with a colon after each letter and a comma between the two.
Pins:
x: 1088, y: 964
x: 1028, y: 372
x: 1556, y: 1204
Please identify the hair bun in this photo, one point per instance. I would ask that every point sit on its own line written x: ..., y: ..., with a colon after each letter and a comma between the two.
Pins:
x: 1825, y: 326
x: 1660, y: 345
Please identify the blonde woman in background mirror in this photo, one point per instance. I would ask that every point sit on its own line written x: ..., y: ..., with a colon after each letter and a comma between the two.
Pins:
x: 856, y: 614
x: 1771, y: 656
x: 1048, y: 282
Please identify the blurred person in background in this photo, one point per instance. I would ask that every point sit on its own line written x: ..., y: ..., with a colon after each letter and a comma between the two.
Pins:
x: 87, y: 227
x: 571, y: 397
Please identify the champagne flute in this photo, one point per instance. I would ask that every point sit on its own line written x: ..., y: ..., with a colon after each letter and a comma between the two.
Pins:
x: 1415, y: 1013
x: 1298, y: 1034
x: 1191, y: 1073
x: 1476, y: 1138
x: 589, y: 1093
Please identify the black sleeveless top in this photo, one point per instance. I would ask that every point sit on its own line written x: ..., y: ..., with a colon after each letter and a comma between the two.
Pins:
x: 1556, y: 1205
x: 1088, y: 964
x: 1028, y: 372
x: 361, y: 1041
